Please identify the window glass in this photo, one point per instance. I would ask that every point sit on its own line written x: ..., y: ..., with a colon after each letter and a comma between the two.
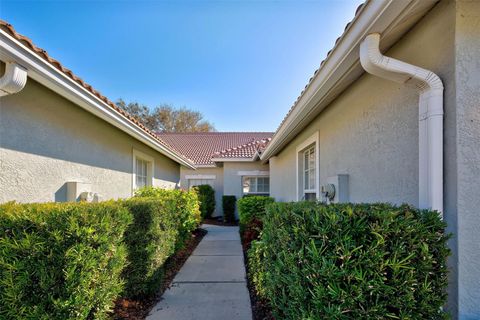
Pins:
x: 263, y: 185
x: 312, y: 179
x: 141, y: 173
x: 253, y: 185
x: 306, y: 179
x: 246, y: 185
x: 256, y: 185
x: 309, y: 174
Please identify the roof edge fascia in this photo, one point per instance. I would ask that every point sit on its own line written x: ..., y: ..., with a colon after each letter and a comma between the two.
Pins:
x: 342, y: 65
x: 252, y: 159
x: 11, y: 50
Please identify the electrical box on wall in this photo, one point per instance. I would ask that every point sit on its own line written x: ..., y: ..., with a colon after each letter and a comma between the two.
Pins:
x: 75, y: 190
x: 335, y: 190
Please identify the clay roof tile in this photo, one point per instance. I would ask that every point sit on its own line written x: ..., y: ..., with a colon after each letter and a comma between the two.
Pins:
x: 55, y: 63
x: 201, y: 147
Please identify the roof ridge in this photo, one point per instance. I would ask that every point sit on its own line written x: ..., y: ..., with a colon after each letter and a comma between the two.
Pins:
x: 203, y: 147
x: 215, y: 132
x: 251, y: 143
x: 24, y: 40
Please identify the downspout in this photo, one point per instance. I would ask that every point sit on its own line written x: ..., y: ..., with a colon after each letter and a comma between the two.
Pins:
x: 430, y: 116
x: 13, y: 80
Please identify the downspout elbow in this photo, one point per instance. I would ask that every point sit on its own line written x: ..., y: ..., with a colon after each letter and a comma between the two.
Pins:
x: 13, y: 80
x: 374, y: 62
x: 430, y: 87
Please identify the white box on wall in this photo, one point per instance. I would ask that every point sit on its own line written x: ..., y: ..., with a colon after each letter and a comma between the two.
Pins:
x: 75, y: 188
x: 340, y: 181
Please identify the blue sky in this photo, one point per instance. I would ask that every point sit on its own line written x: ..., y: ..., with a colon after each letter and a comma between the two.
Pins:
x: 241, y: 63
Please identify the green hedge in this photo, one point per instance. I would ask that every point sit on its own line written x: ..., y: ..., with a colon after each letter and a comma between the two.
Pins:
x: 162, y: 221
x: 228, y: 203
x: 251, y: 207
x: 343, y: 261
x: 66, y: 260
x: 206, y: 196
x: 61, y: 261
x: 185, y: 208
x: 150, y: 240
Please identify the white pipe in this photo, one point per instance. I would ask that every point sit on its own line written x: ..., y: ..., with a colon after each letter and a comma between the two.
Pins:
x: 13, y: 80
x: 430, y: 116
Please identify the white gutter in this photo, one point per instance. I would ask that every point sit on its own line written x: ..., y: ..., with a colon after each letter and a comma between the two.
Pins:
x: 47, y: 75
x: 430, y: 116
x: 391, y: 18
x: 233, y: 159
x: 13, y: 80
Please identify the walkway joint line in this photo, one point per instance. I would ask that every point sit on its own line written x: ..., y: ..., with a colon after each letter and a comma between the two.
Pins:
x: 212, y: 284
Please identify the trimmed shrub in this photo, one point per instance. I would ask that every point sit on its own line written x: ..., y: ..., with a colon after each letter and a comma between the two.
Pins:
x: 150, y: 240
x: 162, y: 221
x: 228, y: 203
x: 206, y: 196
x: 185, y: 208
x: 251, y: 207
x: 61, y: 260
x: 345, y: 261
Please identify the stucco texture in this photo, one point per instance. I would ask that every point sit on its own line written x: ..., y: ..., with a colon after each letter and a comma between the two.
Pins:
x: 233, y: 180
x: 46, y: 141
x: 370, y: 132
x: 217, y: 183
x: 227, y: 181
x: 467, y: 61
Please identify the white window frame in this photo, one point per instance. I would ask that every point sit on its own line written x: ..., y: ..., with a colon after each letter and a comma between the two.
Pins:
x: 150, y: 168
x: 200, y: 176
x: 256, y: 177
x: 310, y: 142
x: 210, y: 182
x: 212, y: 177
x: 305, y: 157
x: 254, y: 173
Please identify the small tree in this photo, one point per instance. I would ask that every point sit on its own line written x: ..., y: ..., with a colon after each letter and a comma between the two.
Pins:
x: 206, y: 196
x: 228, y: 203
x: 166, y: 118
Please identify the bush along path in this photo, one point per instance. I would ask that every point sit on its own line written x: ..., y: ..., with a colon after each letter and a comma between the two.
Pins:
x: 74, y: 260
x: 137, y: 309
x: 252, y: 211
x: 211, y: 284
x: 350, y: 261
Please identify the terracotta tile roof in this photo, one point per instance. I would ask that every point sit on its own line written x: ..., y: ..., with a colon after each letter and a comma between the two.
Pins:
x: 357, y: 13
x: 202, y: 146
x: 247, y: 150
x: 8, y: 28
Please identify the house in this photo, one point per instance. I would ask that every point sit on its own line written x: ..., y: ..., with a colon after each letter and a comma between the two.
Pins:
x: 60, y: 139
x: 228, y: 161
x: 393, y: 115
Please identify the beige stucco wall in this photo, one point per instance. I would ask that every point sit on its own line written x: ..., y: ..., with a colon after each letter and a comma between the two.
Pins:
x: 218, y: 183
x: 370, y: 132
x: 467, y: 77
x: 46, y: 141
x: 233, y: 180
x: 227, y: 181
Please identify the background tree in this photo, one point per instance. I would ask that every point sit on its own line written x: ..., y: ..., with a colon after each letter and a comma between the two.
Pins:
x: 166, y: 118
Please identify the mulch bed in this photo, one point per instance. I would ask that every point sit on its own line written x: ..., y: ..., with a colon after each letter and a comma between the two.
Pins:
x: 260, y: 308
x: 130, y: 309
x: 219, y: 222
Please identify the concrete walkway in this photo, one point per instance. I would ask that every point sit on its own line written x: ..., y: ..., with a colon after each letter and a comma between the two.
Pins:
x: 211, y: 284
